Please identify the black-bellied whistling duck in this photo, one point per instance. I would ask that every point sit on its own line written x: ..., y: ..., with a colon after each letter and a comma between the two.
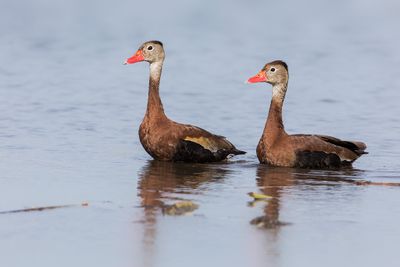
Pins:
x: 278, y: 148
x: 165, y: 139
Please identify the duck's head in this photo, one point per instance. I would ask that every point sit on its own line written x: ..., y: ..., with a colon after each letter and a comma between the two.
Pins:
x: 151, y: 51
x: 275, y: 72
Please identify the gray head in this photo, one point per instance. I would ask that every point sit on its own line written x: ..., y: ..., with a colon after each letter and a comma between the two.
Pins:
x: 151, y: 51
x: 275, y: 72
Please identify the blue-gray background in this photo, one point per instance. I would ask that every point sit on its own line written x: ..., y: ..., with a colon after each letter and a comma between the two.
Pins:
x: 70, y: 111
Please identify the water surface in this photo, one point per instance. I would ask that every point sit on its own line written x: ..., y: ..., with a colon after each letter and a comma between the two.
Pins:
x: 70, y: 112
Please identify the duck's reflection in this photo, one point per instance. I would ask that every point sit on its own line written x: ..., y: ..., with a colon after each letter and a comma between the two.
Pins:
x: 162, y: 182
x: 274, y: 181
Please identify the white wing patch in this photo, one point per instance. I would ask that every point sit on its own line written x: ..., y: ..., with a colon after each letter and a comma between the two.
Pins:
x: 204, y: 142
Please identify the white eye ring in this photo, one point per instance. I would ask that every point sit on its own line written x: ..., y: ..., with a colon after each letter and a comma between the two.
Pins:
x: 150, y: 48
x: 272, y: 69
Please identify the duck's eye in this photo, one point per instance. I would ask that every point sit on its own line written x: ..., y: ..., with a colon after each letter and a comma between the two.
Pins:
x: 149, y: 48
x: 272, y: 69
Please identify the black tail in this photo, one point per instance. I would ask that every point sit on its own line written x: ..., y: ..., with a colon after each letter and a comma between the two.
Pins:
x: 237, y: 152
x: 188, y: 151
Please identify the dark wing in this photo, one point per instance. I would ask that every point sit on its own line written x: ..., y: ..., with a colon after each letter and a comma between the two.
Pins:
x: 188, y: 151
x: 199, y: 145
x: 354, y: 146
x: 208, y: 140
x: 321, y: 151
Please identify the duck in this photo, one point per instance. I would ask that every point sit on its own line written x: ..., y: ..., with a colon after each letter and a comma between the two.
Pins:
x: 278, y: 148
x: 164, y: 139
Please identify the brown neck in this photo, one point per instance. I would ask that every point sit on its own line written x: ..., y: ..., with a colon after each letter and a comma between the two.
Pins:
x: 154, y: 105
x: 274, y: 125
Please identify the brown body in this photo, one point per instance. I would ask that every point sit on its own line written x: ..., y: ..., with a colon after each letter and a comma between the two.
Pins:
x: 278, y: 148
x: 165, y: 139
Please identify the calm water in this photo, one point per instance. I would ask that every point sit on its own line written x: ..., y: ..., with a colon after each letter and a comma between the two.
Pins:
x: 70, y: 112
